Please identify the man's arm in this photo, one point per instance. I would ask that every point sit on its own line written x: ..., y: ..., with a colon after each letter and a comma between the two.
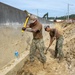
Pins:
x: 51, y: 41
x: 37, y: 29
x: 53, y: 38
x: 27, y: 26
x: 32, y: 30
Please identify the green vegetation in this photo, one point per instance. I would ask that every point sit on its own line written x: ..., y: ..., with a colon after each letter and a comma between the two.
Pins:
x: 72, y: 16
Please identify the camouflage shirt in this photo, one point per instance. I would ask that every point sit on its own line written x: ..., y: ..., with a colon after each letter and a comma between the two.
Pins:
x: 54, y: 33
x: 37, y: 26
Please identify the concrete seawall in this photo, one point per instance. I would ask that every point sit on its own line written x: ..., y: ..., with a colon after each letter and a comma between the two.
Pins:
x: 10, y: 15
x: 15, y: 65
x: 13, y: 16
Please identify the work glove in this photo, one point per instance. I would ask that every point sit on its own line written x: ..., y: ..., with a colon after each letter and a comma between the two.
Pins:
x: 23, y: 28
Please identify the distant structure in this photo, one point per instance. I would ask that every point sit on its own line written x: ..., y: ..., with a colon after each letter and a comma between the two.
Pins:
x: 52, y: 19
x: 46, y: 16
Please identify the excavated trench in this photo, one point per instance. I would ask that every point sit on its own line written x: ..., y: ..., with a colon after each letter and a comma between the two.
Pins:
x: 22, y: 66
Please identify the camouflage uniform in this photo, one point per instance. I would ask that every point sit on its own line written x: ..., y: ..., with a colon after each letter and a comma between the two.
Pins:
x: 59, y: 42
x: 37, y: 44
x: 58, y: 48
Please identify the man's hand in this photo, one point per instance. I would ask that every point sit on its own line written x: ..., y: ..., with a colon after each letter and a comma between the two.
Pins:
x: 23, y: 28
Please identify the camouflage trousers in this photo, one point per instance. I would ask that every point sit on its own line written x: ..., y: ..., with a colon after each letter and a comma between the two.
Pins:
x: 58, y: 47
x: 37, y: 44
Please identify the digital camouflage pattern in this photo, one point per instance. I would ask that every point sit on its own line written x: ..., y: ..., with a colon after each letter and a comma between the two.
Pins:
x: 37, y: 44
x: 58, y: 48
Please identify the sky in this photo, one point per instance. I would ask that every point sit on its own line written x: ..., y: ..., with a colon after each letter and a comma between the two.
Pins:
x: 55, y: 8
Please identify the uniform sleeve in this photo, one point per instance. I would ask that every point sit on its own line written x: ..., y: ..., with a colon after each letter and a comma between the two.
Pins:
x: 39, y: 27
x: 29, y: 25
x: 53, y: 32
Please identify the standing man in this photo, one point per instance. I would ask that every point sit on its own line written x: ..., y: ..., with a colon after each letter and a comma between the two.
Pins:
x: 37, y: 41
x: 55, y: 34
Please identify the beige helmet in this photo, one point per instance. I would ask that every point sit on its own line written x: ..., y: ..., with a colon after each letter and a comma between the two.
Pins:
x: 33, y: 18
x: 45, y: 27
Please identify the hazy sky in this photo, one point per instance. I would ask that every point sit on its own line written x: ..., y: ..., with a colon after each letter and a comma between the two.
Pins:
x: 40, y: 7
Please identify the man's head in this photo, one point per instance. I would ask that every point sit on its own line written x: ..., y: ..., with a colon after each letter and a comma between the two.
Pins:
x: 33, y: 18
x: 47, y: 28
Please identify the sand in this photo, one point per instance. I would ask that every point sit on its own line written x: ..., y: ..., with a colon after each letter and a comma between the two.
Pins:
x: 53, y: 66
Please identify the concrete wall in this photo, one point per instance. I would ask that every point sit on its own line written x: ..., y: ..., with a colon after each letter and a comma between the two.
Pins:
x: 15, y: 65
x: 10, y: 15
x: 13, y: 16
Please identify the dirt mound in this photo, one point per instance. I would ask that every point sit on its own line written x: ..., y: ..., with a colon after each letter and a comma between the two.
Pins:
x: 53, y: 66
x: 69, y: 47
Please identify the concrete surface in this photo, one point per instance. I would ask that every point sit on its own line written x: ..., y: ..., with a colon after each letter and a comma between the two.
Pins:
x: 16, y: 64
x: 10, y: 15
